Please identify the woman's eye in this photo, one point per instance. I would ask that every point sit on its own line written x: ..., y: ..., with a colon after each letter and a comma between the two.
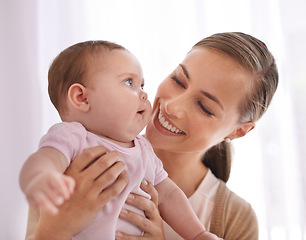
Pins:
x: 178, y: 82
x: 128, y: 82
x: 205, y: 110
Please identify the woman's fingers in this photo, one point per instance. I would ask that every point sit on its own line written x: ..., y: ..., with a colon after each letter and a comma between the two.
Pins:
x: 124, y: 236
x: 85, y: 159
x: 153, y: 229
x: 152, y: 224
x: 102, y: 164
x: 109, y: 176
x: 96, y: 162
x: 99, y: 178
x: 150, y: 189
x: 141, y: 222
x: 149, y: 208
x: 114, y: 190
x: 104, y: 178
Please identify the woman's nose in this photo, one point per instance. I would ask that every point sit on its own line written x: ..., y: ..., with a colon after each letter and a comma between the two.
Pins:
x: 175, y: 107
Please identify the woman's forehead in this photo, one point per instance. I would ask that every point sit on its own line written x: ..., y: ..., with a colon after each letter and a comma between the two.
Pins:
x: 218, y: 74
x: 209, y: 64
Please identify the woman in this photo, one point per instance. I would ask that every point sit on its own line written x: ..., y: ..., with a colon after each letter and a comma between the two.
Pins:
x: 222, y: 87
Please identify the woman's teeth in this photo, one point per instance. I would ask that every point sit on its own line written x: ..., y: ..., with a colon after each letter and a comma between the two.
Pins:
x: 167, y: 125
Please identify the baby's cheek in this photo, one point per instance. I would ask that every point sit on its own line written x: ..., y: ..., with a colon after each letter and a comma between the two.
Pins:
x: 149, y: 106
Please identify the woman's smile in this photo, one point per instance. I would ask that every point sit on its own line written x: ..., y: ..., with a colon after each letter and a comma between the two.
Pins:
x: 167, y: 125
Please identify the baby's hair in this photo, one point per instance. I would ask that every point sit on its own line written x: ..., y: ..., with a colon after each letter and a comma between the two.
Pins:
x: 254, y: 56
x: 71, y: 66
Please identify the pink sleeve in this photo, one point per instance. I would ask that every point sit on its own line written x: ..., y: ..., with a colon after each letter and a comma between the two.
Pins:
x: 65, y: 137
x: 160, y: 173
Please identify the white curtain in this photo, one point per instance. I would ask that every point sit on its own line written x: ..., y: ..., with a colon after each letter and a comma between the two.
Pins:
x: 268, y: 168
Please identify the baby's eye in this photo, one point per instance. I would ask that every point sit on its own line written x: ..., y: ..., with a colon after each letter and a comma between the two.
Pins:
x: 128, y: 82
x: 142, y: 86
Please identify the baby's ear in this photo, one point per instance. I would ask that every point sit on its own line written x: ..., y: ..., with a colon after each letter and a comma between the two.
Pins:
x: 77, y: 96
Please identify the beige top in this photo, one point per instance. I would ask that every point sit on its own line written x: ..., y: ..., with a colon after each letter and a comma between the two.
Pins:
x: 233, y: 218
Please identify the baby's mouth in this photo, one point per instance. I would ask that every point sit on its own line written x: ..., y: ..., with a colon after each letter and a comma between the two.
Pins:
x: 165, y: 124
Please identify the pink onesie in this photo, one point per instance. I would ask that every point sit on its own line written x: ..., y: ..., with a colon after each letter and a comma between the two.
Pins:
x: 140, y: 161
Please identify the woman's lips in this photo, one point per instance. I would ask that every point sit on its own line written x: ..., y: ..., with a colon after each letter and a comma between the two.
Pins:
x: 167, y: 125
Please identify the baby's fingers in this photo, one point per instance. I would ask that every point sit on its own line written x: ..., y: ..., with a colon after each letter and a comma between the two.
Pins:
x: 61, y: 189
x: 70, y: 184
x: 43, y: 202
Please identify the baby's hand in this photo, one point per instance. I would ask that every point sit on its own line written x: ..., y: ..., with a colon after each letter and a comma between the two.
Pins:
x: 48, y: 190
x: 207, y: 236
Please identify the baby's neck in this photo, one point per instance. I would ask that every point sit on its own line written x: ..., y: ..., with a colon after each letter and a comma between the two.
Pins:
x: 128, y: 144
x: 121, y: 144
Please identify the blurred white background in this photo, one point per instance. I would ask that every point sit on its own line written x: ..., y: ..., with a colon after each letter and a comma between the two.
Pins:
x: 269, y: 163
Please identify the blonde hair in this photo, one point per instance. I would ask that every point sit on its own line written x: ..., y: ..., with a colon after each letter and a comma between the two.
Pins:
x: 71, y: 66
x: 254, y: 56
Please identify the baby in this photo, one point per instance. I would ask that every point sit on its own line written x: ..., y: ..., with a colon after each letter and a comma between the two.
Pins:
x: 97, y: 88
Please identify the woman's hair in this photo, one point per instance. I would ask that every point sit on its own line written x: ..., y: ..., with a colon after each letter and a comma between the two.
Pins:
x: 72, y: 66
x: 254, y: 56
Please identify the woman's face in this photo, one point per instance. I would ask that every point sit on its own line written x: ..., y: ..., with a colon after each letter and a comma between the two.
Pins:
x: 196, y: 106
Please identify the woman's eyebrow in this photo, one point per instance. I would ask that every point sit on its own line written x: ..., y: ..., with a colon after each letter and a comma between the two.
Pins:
x: 184, y: 71
x: 206, y: 94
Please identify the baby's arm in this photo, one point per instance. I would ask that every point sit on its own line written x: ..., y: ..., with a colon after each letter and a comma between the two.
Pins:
x: 175, y: 209
x: 43, y: 182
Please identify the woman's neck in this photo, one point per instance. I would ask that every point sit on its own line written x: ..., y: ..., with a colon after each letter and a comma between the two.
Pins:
x: 185, y: 169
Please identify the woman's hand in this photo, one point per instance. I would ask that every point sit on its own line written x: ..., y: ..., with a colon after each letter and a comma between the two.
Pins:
x: 93, y: 171
x: 152, y: 224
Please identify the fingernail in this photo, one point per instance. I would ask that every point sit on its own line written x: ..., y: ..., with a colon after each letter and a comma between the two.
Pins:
x: 59, y: 200
x: 72, y: 189
x: 144, y: 182
x: 123, y: 211
x: 131, y: 196
x: 119, y: 234
x: 54, y: 211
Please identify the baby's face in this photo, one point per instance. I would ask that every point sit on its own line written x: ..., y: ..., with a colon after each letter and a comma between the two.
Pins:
x: 119, y: 106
